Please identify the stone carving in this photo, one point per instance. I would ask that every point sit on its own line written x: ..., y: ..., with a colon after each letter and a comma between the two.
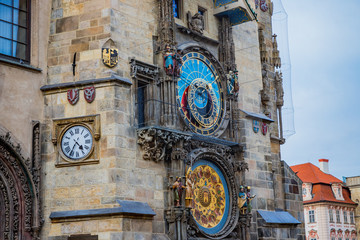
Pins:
x: 178, y: 188
x: 167, y: 24
x: 240, y: 166
x: 178, y: 63
x: 232, y: 83
x: 157, y: 142
x: 196, y: 22
x: 16, y: 171
x: 276, y: 60
x: 279, y: 89
x: 189, y: 188
x: 227, y: 47
x: 265, y: 92
x: 143, y: 71
x: 264, y: 54
x: 169, y: 60
x: 179, y: 154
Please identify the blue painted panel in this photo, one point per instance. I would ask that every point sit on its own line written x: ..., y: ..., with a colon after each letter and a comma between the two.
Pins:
x: 220, y: 3
x: 278, y: 217
x: 236, y: 15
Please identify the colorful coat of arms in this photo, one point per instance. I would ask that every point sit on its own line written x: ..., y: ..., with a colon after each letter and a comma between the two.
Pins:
x: 263, y: 5
x: 264, y: 128
x: 256, y: 126
x: 110, y: 56
x: 89, y: 94
x: 73, y: 96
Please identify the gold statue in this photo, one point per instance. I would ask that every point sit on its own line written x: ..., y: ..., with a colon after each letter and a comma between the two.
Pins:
x: 189, y: 188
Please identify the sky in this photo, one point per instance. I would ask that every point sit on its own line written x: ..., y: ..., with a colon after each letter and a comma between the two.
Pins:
x: 324, y: 47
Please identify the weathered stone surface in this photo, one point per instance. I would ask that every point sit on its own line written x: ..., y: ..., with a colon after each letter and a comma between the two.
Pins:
x: 67, y: 24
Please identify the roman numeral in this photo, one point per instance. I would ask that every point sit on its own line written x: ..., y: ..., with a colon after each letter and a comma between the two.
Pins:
x: 77, y: 154
x: 67, y: 149
x: 86, y: 147
x: 87, y: 141
x: 77, y: 131
x: 71, y: 153
x: 86, y: 135
x: 82, y: 132
x: 66, y: 143
x: 72, y: 133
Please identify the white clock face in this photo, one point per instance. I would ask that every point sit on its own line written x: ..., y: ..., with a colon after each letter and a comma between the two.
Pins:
x: 77, y: 142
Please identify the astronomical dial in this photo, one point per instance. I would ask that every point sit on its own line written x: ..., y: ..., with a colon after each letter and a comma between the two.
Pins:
x: 77, y: 142
x: 200, y: 95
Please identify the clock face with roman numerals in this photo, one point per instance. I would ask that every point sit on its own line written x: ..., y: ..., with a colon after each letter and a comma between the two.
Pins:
x: 199, y: 94
x: 77, y: 142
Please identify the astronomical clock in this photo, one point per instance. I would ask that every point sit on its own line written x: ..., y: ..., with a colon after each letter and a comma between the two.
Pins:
x: 200, y: 94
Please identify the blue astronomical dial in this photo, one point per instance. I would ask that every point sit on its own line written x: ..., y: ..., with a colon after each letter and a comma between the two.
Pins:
x: 199, y: 94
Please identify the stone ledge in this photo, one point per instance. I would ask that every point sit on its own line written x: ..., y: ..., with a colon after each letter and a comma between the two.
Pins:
x: 20, y: 65
x: 130, y: 209
x: 64, y: 86
x: 258, y: 116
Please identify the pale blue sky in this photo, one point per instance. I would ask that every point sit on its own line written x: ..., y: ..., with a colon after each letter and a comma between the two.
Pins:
x: 325, y: 59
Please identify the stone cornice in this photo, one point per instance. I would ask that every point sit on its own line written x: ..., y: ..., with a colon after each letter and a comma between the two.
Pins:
x: 63, y: 87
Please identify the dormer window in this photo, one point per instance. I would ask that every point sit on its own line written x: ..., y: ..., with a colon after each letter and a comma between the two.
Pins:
x: 307, y: 188
x: 337, y: 190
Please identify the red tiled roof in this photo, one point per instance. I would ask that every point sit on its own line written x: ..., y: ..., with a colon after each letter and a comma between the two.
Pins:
x: 323, y: 192
x: 308, y: 172
x: 321, y: 189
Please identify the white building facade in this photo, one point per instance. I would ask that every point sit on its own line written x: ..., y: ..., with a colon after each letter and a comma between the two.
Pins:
x: 329, y: 211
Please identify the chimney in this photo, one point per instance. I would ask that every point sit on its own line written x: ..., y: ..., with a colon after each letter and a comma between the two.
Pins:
x: 324, y: 165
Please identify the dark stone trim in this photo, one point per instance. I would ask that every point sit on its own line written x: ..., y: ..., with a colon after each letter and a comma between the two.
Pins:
x: 127, y: 208
x: 257, y: 116
x: 20, y: 65
x: 196, y: 35
x: 197, y: 137
x: 60, y: 86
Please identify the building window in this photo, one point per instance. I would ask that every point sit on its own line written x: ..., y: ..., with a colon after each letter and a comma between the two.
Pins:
x: 352, y: 217
x: 203, y: 12
x: 345, y: 217
x: 332, y: 238
x: 15, y: 29
x: 311, y: 216
x: 337, y: 216
x: 177, y: 8
x: 331, y: 215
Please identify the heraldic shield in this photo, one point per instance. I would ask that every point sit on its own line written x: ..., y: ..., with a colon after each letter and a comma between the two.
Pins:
x: 110, y: 57
x: 73, y: 96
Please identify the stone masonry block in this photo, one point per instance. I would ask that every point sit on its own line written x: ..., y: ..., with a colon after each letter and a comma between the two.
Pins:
x: 67, y: 24
x: 141, y: 225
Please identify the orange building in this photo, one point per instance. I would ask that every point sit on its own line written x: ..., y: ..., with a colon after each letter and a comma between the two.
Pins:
x: 328, y: 209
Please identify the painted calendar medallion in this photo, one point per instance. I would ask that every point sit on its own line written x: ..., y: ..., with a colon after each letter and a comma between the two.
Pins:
x: 211, y: 201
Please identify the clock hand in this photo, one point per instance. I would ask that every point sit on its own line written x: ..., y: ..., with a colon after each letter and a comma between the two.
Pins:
x: 214, y: 80
x: 73, y: 147
x: 80, y: 146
